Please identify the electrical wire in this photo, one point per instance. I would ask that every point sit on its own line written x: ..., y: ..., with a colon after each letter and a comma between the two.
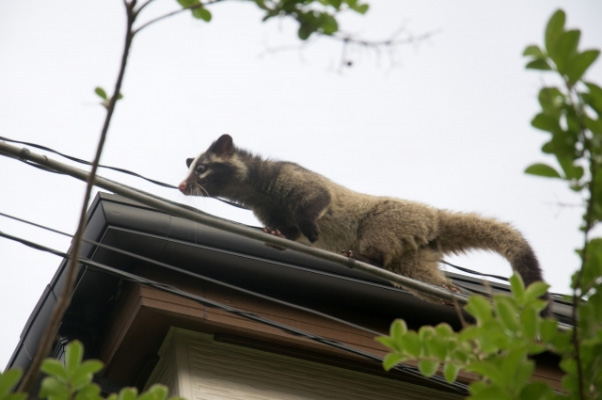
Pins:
x: 117, y: 169
x: 81, y: 161
x: 456, y: 386
x: 472, y: 272
x: 156, y: 182
x: 199, y: 276
x: 195, y: 215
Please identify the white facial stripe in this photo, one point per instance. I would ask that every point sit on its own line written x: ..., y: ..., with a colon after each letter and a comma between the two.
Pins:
x: 205, y: 174
x: 192, y: 165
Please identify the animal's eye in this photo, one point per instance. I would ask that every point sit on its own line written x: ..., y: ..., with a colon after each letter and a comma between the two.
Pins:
x: 200, y: 169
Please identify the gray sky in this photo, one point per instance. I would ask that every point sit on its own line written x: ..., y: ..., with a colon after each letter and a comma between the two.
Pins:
x: 444, y: 121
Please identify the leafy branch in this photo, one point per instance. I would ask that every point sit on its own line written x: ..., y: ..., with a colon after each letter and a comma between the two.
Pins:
x: 508, y: 329
x: 572, y: 115
x: 73, y: 380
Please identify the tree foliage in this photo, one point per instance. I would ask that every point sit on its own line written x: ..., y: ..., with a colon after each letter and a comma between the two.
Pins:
x: 313, y: 16
x: 508, y: 330
x: 73, y: 380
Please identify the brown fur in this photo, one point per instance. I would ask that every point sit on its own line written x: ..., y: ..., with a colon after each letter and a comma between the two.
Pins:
x: 405, y: 237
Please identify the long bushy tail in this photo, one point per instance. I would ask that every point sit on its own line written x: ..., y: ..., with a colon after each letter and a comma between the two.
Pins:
x: 460, y: 232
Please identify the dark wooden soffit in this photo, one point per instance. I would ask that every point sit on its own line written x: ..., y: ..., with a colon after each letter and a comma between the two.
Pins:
x: 141, y: 317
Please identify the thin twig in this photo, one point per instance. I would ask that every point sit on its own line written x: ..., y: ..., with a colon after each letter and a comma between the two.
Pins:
x: 349, y: 40
x: 143, y: 6
x: 64, y: 299
x: 588, y: 226
x: 175, y: 12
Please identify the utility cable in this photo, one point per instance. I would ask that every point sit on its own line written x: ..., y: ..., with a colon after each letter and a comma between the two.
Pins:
x: 470, y: 271
x: 225, y: 225
x: 201, y: 277
x: 117, y: 169
x: 81, y: 161
x: 456, y: 386
x: 156, y: 182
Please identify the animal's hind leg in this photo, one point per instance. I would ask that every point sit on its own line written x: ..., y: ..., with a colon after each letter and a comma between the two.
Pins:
x: 423, y: 265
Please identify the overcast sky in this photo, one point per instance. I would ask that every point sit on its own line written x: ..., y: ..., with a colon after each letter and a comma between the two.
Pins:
x: 443, y: 121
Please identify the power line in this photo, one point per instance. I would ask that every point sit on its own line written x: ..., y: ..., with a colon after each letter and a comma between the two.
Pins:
x: 82, y: 161
x: 202, y: 277
x: 225, y: 225
x: 456, y: 386
x: 159, y: 183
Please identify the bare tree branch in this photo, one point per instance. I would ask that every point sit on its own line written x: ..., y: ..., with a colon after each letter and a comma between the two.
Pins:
x: 352, y: 41
x: 73, y: 265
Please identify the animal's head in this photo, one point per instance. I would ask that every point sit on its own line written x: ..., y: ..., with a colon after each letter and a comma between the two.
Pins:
x: 215, y: 171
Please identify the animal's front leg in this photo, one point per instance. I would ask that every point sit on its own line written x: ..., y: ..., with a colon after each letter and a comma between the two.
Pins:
x: 309, y: 211
x: 360, y: 257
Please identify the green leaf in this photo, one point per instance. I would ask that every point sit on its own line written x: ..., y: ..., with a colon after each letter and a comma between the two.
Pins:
x: 544, y: 170
x: 566, y: 49
x: 540, y: 64
x: 398, y: 328
x: 54, y: 367
x: 516, y: 368
x: 428, y: 368
x: 391, y: 360
x: 444, y: 330
x: 480, y: 308
x: 535, y: 291
x: 536, y: 391
x: 507, y: 313
x: 389, y: 342
x: 450, y: 372
x: 470, y: 332
x: 74, y: 353
x: 594, y: 97
x: 546, y: 122
x: 89, y: 392
x: 437, y: 346
x: 551, y: 100
x: 335, y: 3
x: 554, y: 29
x: 83, y: 375
x: 304, y: 31
x: 410, y: 343
x: 188, y: 3
x: 201, y: 13
x: 487, y: 369
x: 534, y: 51
x: 8, y: 380
x: 579, y: 65
x: 529, y: 319
x: 155, y: 392
x: 128, y: 394
x: 548, y: 330
x: 426, y: 332
x: 100, y: 92
x: 328, y: 24
x: 51, y: 387
x: 517, y: 287
x: 361, y: 8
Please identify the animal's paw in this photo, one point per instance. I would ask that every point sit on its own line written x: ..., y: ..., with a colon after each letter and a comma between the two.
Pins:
x: 451, y: 288
x: 347, y: 253
x: 274, y: 232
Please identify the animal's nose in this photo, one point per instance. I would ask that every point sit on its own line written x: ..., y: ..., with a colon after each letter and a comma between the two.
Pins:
x: 183, y: 187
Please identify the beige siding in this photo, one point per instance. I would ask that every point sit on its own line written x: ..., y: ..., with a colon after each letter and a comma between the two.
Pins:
x: 196, y: 367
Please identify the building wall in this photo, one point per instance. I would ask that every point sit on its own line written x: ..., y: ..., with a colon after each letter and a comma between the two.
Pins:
x: 196, y: 367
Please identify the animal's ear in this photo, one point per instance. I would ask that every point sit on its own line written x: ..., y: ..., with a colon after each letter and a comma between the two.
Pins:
x: 189, y: 161
x: 223, y: 146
